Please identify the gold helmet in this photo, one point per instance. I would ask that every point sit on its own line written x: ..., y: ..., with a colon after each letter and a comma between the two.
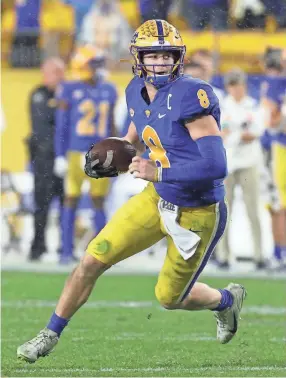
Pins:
x: 157, y: 35
x: 86, y: 60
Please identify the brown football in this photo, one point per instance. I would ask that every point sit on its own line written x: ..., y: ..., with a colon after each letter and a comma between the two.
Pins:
x: 114, y: 152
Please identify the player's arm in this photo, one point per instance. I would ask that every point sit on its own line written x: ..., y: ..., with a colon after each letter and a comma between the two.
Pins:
x: 255, y: 128
x: 273, y: 115
x: 113, y: 130
x: 212, y: 163
x: 38, y: 120
x: 200, y: 109
x: 133, y: 138
x: 62, y: 123
x: 37, y: 107
x: 210, y: 166
x: 61, y: 133
x: 200, y: 112
x: 113, y: 101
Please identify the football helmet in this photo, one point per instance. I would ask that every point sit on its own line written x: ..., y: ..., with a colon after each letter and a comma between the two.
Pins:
x: 156, y: 36
x: 87, y: 63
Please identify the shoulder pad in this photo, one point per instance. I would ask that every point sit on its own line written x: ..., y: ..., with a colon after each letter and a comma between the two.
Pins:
x: 192, y: 97
x: 64, y: 89
x: 276, y: 90
x: 134, y: 84
x: 110, y: 92
x: 38, y: 95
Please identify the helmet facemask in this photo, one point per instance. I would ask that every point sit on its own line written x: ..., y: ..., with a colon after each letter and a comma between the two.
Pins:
x: 150, y: 72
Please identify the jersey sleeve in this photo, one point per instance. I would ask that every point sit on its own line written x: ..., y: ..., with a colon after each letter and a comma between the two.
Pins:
x: 113, y: 95
x: 274, y: 93
x: 62, y: 120
x: 63, y: 93
x: 199, y: 100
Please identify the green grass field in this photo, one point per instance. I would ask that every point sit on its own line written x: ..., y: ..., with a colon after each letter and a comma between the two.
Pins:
x: 122, y: 331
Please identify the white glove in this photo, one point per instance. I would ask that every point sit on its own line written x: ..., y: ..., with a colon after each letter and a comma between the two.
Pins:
x: 60, y: 166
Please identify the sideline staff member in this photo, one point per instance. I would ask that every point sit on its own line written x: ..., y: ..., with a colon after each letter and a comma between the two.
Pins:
x: 41, y: 147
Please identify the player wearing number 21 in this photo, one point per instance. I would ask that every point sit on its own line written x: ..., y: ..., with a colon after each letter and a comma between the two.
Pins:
x: 177, y: 119
x: 84, y: 116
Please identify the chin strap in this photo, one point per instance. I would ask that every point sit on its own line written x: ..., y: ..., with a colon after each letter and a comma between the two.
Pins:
x: 158, y: 81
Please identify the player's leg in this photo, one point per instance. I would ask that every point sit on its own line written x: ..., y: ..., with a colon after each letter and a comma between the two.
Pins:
x: 58, y: 191
x: 99, y: 190
x: 177, y: 286
x: 249, y: 182
x: 73, y: 183
x: 43, y: 168
x: 278, y: 231
x: 132, y: 229
x: 224, y: 244
x: 279, y: 171
x: 274, y: 207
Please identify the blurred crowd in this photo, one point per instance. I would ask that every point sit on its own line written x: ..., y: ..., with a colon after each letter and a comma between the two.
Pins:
x: 103, y: 22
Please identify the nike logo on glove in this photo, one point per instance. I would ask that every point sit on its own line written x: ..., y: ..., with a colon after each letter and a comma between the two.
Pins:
x: 161, y: 115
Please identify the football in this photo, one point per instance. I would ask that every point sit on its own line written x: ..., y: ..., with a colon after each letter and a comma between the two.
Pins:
x: 114, y: 152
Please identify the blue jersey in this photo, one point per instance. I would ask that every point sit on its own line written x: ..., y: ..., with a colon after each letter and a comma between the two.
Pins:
x: 275, y: 91
x: 161, y: 126
x: 89, y: 115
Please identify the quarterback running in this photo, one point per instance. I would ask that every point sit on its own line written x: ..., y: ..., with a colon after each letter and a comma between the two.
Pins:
x: 177, y: 119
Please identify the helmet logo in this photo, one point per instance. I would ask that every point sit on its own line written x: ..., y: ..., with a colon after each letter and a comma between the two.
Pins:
x: 134, y: 38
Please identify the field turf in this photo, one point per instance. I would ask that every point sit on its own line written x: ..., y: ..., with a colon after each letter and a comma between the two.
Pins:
x: 122, y: 331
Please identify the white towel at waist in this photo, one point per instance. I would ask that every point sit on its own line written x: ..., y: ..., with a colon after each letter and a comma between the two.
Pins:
x: 185, y: 241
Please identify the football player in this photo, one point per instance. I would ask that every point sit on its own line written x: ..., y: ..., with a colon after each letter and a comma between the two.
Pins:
x: 84, y: 116
x: 205, y: 59
x: 274, y: 144
x: 177, y: 119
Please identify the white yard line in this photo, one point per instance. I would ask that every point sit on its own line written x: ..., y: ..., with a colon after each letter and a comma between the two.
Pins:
x: 143, y: 266
x: 154, y: 370
x: 126, y: 336
x: 29, y: 303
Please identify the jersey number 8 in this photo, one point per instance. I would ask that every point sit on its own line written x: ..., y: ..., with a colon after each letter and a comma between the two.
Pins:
x: 203, y: 98
x: 157, y: 151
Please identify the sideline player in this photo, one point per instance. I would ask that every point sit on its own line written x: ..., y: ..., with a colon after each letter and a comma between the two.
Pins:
x: 178, y: 119
x: 84, y: 116
x: 274, y: 144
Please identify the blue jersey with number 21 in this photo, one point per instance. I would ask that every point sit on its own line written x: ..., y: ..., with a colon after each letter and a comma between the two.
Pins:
x: 161, y: 126
x: 89, y: 108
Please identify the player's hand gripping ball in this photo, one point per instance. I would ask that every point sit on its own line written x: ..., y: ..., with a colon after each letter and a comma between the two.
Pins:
x: 108, y: 158
x: 143, y: 168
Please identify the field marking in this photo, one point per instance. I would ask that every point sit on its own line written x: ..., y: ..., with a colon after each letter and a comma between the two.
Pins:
x: 145, y: 267
x: 260, y: 310
x: 278, y: 339
x: 134, y: 337
x: 157, y: 369
x: 159, y: 338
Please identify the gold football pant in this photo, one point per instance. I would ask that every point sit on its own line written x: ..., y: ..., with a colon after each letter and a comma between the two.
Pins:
x: 137, y: 225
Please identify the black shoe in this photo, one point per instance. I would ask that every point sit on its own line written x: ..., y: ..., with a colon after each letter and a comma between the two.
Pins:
x: 35, y: 254
x: 35, y: 257
x: 260, y: 265
x: 35, y: 247
x: 223, y: 265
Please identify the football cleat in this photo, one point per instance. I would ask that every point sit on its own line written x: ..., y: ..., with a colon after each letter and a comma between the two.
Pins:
x: 227, y: 320
x: 40, y: 346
